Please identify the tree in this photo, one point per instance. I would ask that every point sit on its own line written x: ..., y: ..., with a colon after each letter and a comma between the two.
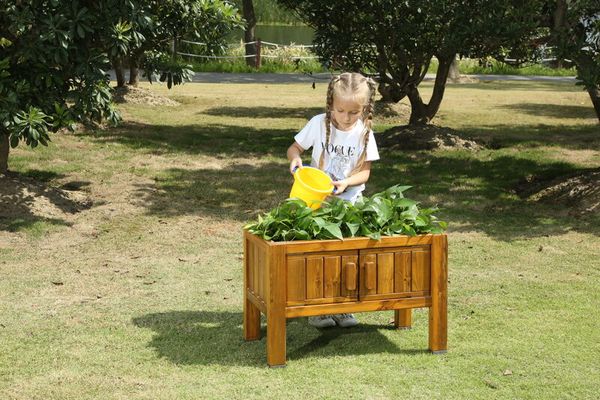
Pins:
x: 575, y: 33
x: 249, y: 32
x: 147, y: 31
x: 397, y: 40
x: 52, y: 63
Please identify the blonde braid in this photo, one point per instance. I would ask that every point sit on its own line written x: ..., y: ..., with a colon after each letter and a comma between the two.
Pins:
x: 367, y: 122
x: 328, y: 107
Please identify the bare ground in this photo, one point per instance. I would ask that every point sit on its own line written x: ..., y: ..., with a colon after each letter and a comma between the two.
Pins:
x: 426, y: 137
x: 579, y: 192
x: 138, y: 95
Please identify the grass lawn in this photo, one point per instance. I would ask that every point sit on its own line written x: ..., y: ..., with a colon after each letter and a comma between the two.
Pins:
x: 133, y: 290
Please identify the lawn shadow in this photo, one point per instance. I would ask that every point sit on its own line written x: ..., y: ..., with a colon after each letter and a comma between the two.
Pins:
x: 552, y: 110
x: 236, y: 191
x: 575, y: 137
x: 479, y: 194
x: 213, y: 139
x: 211, y: 337
x: 535, y: 86
x: 265, y: 112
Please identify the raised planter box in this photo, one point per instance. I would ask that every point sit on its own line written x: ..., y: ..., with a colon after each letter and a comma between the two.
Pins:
x: 314, y: 277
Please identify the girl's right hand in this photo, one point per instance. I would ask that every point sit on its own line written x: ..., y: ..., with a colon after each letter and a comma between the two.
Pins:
x: 295, y: 164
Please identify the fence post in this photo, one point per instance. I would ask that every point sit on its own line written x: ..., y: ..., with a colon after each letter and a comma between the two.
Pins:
x: 257, y: 54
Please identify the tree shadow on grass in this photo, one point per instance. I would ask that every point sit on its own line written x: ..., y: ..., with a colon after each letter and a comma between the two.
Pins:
x: 479, y: 194
x: 476, y: 190
x: 236, y: 191
x: 575, y: 137
x: 224, y: 141
x: 265, y: 112
x: 552, y: 110
x: 530, y: 86
x: 473, y: 194
x: 208, y: 337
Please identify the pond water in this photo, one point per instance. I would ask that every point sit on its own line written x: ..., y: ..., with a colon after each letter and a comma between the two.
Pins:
x: 280, y: 34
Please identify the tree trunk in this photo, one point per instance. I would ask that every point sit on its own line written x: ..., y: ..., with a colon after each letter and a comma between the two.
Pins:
x: 454, y: 72
x: 422, y: 113
x: 560, y: 13
x: 119, y: 72
x: 134, y: 73
x: 249, y: 33
x: 595, y: 96
x: 418, y: 109
x: 4, y: 150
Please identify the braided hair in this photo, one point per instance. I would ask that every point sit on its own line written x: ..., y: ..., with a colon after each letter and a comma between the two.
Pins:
x: 361, y: 89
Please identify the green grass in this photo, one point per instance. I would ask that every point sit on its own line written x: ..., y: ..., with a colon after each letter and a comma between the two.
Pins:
x: 139, y: 296
x: 495, y: 67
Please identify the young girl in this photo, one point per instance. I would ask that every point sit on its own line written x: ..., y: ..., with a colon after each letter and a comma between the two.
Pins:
x: 343, y: 146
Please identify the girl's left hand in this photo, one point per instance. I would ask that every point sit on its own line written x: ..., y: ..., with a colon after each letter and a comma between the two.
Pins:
x: 340, y: 186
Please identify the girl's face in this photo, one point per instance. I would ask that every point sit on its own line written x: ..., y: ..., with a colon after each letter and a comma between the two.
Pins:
x: 345, y: 113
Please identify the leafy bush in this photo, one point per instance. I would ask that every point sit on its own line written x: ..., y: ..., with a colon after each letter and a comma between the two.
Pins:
x: 384, y: 214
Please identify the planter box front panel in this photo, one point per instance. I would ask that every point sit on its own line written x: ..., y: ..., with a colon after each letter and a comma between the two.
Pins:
x: 319, y: 278
x: 396, y: 272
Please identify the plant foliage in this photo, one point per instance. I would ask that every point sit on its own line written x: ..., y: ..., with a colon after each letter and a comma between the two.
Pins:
x: 386, y: 213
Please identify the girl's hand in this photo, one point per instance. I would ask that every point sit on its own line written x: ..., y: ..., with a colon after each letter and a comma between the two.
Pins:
x: 294, y: 164
x: 340, y: 186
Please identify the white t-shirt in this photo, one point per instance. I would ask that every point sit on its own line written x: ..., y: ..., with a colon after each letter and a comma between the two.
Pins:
x: 343, y: 151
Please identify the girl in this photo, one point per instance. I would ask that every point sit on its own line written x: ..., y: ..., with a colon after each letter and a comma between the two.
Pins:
x: 343, y: 146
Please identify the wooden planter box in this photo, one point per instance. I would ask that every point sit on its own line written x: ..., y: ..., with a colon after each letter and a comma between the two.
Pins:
x: 314, y: 277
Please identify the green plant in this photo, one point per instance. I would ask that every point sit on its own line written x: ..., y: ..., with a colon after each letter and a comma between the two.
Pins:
x: 384, y: 214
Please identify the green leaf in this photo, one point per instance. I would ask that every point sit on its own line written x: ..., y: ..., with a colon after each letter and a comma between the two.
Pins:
x: 334, y: 230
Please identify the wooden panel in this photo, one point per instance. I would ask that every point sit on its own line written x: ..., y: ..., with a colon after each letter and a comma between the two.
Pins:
x: 249, y: 261
x: 363, y: 243
x: 395, y: 249
x: 385, y: 273
x: 255, y: 269
x: 349, y: 287
x: 296, y: 281
x: 421, y: 271
x: 262, y: 273
x: 331, y: 276
x: 402, y: 272
x: 314, y: 277
x: 395, y: 295
x: 358, y: 306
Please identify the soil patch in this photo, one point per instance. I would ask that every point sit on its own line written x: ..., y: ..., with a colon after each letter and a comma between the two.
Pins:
x: 579, y: 192
x: 24, y: 198
x: 426, y: 137
x: 391, y: 113
x: 138, y: 95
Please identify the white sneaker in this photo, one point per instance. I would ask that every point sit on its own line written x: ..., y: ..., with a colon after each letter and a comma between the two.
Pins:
x: 321, y: 321
x: 345, y: 320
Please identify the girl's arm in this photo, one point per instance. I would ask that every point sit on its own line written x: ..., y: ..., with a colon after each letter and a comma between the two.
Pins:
x: 293, y: 155
x: 358, y: 178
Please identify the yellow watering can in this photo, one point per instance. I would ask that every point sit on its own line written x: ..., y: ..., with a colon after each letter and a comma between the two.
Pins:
x: 311, y: 185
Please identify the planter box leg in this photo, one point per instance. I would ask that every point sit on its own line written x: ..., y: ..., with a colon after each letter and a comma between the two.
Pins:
x: 438, y: 313
x: 403, y: 318
x: 251, y: 321
x: 276, y: 336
